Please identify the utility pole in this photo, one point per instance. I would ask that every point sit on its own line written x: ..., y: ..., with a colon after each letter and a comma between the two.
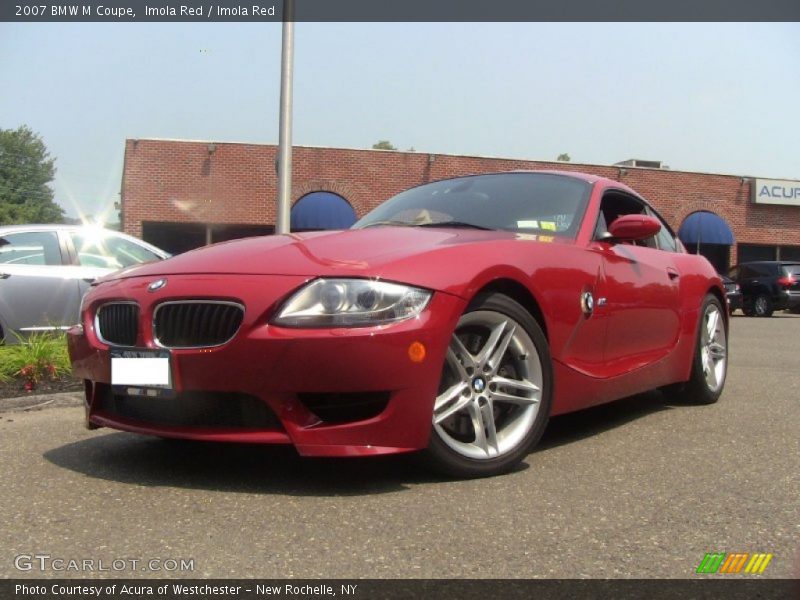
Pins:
x: 285, y: 131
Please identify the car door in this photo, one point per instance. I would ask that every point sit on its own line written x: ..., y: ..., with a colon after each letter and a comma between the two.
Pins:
x: 639, y: 289
x: 35, y: 292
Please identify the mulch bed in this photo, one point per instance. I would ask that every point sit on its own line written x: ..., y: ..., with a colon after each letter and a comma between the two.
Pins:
x: 15, y: 388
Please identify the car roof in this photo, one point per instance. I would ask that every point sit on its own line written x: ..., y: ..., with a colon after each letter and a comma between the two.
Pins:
x: 586, y: 177
x: 46, y: 227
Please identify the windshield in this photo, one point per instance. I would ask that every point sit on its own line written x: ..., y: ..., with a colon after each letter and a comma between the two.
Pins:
x: 526, y: 202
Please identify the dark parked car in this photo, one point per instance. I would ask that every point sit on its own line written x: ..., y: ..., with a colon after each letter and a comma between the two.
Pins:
x: 733, y: 291
x: 768, y: 286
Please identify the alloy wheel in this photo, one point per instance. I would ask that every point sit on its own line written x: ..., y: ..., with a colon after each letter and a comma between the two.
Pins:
x: 491, y: 388
x: 761, y: 305
x: 713, y: 348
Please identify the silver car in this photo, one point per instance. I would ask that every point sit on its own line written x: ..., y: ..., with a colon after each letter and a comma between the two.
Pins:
x: 45, y: 270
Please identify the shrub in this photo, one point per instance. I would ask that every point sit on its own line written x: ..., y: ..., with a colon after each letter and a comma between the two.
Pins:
x: 41, y: 355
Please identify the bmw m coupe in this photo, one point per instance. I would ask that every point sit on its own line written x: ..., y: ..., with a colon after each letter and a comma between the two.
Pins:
x: 453, y: 320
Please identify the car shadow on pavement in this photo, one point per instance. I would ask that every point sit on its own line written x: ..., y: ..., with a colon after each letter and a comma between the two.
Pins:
x: 246, y: 468
x: 572, y: 427
x: 250, y: 468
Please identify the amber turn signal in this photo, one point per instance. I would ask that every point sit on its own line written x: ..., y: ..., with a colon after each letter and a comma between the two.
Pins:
x: 416, y: 352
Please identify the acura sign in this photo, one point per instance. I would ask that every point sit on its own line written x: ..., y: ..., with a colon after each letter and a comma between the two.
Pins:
x: 774, y: 191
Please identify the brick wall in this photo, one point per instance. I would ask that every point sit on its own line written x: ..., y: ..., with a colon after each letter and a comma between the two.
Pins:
x: 209, y: 182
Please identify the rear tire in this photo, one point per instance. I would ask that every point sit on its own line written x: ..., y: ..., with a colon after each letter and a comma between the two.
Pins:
x: 495, y: 393
x: 762, y: 306
x: 710, y: 363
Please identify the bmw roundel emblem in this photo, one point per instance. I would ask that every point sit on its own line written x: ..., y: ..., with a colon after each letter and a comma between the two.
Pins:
x: 587, y: 303
x: 156, y: 285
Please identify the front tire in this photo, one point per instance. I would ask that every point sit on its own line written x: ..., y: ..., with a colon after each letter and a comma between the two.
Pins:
x: 495, y: 393
x: 710, y: 364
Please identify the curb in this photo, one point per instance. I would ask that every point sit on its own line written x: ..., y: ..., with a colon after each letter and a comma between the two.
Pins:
x: 39, y: 401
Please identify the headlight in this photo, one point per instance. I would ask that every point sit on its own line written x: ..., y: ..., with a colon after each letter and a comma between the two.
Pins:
x: 351, y: 303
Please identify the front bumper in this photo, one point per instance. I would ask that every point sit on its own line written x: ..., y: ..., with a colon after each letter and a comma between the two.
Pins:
x: 734, y: 300
x: 306, y: 378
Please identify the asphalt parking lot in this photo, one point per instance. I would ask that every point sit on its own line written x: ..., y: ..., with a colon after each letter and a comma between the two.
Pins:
x: 638, y: 489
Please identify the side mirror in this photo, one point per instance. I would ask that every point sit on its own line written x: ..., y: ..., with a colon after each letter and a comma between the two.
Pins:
x: 634, y: 227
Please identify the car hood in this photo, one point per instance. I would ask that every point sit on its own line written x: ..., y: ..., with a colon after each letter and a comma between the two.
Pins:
x: 399, y: 253
x: 315, y: 253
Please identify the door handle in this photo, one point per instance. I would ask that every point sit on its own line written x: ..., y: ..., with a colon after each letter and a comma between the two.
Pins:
x: 5, y: 275
x: 89, y: 279
x: 673, y: 274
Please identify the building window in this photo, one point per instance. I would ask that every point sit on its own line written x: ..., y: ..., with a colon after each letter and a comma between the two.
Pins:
x: 174, y: 237
x: 751, y: 252
x: 182, y: 237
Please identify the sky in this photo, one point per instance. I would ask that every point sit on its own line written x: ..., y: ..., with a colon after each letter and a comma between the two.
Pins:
x: 708, y: 97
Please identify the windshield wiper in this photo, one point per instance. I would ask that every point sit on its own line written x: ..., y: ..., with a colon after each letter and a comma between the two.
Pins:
x: 389, y: 222
x: 460, y: 224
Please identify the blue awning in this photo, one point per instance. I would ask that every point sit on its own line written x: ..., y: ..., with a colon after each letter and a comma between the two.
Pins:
x: 705, y: 227
x: 322, y: 210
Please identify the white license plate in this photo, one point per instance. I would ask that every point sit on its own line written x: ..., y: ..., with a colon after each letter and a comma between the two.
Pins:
x: 140, y: 367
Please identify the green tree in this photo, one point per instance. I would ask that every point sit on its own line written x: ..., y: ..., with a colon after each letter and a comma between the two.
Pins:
x: 25, y: 170
x: 383, y: 145
x: 563, y: 157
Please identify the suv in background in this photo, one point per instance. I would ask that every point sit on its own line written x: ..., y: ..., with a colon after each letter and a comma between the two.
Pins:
x: 768, y: 286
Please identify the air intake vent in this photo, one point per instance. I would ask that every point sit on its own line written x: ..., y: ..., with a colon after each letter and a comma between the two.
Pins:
x: 346, y: 407
x: 117, y: 324
x: 196, y: 324
x: 190, y: 409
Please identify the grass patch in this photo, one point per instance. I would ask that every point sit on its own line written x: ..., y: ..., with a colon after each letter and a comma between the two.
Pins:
x: 37, y: 357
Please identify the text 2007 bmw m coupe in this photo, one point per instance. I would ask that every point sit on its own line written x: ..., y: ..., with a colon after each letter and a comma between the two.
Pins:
x: 453, y: 319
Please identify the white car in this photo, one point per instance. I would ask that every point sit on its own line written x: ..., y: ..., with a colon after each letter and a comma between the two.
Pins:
x: 45, y: 270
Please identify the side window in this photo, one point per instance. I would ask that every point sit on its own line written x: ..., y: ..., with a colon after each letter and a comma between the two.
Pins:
x: 762, y: 270
x: 109, y: 251
x: 129, y: 253
x: 614, y: 205
x: 665, y: 238
x: 747, y: 271
x: 33, y: 248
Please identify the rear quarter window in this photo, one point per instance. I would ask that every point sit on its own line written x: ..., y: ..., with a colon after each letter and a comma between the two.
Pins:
x: 791, y: 270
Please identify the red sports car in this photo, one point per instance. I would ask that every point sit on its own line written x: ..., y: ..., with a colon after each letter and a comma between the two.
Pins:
x: 453, y: 319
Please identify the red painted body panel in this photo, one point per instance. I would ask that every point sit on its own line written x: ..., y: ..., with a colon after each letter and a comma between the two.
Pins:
x: 276, y: 364
x: 640, y: 336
